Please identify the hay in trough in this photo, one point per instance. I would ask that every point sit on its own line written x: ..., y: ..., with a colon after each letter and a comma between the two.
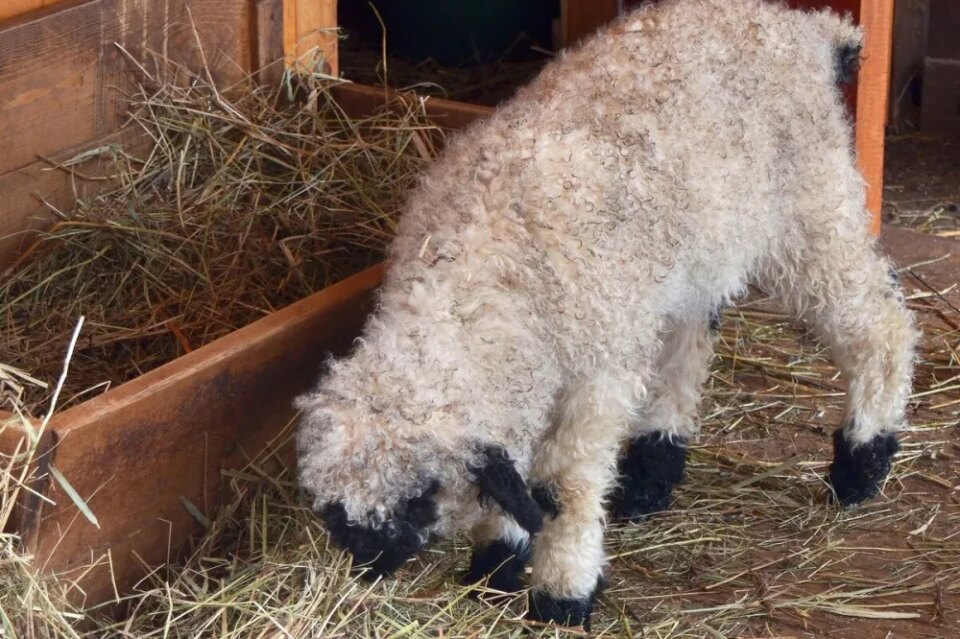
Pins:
x: 247, y: 200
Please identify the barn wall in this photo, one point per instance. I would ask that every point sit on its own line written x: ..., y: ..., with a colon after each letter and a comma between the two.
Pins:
x: 63, y: 74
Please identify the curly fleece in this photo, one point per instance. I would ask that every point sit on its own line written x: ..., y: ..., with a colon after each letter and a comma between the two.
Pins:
x: 645, y: 178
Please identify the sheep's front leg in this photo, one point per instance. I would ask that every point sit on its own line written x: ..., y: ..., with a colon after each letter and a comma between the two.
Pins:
x: 654, y: 459
x: 501, y: 549
x: 852, y: 295
x: 574, y: 467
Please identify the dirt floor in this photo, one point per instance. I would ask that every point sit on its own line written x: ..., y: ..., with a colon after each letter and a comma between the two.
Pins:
x: 922, y: 184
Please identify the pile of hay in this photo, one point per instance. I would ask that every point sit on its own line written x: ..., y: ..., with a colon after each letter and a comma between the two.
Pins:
x: 751, y: 548
x: 247, y: 200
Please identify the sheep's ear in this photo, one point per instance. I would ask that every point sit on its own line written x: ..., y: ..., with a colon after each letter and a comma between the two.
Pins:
x: 499, y: 481
x: 846, y: 62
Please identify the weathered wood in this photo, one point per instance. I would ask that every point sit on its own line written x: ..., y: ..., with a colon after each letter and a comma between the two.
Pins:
x: 64, y: 77
x: 134, y: 453
x: 360, y: 99
x: 310, y: 34
x: 940, y: 113
x: 270, y: 41
x: 30, y: 194
x: 46, y: 64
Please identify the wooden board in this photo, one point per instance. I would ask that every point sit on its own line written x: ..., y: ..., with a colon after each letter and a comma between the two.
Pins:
x: 64, y: 74
x: 359, y: 99
x: 940, y: 113
x: 41, y: 61
x: 135, y: 453
x: 14, y: 8
x: 579, y: 18
x: 310, y: 37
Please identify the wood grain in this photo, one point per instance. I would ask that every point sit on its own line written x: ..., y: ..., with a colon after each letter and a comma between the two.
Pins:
x: 876, y: 17
x: 359, y: 99
x: 310, y: 34
x: 64, y: 81
x: 47, y: 64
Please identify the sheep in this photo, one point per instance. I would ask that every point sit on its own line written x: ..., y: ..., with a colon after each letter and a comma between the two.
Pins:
x: 544, y: 327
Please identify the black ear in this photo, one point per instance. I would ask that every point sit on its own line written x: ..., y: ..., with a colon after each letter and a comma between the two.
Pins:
x: 499, y: 481
x: 846, y: 62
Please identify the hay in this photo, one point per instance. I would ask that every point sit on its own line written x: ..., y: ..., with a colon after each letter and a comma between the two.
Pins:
x: 31, y: 606
x: 750, y: 549
x: 246, y: 202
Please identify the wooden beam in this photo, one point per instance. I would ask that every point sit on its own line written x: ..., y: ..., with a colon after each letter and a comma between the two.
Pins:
x: 310, y: 35
x: 876, y: 17
x: 579, y: 18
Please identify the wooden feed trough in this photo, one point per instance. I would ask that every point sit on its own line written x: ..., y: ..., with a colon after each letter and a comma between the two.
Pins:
x: 139, y: 451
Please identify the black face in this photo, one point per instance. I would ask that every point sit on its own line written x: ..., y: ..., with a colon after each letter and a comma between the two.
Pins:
x: 381, y: 551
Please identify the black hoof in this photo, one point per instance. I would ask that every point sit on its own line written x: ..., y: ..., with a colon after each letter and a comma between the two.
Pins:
x: 500, y: 564
x: 857, y: 475
x: 651, y: 467
x: 546, y: 608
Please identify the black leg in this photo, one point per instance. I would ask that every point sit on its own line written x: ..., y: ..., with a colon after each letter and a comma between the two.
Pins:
x: 857, y: 474
x: 546, y: 608
x: 652, y: 465
x: 501, y: 563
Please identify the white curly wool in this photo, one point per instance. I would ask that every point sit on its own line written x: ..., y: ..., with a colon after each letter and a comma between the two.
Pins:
x: 645, y: 178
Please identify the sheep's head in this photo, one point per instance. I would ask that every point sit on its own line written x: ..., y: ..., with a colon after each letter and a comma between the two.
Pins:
x: 384, y: 548
x: 385, y: 486
x: 375, y: 481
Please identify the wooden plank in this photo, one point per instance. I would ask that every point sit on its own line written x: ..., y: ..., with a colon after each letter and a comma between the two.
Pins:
x: 360, y: 99
x: 940, y: 113
x: 269, y: 40
x: 63, y: 81
x: 310, y: 35
x: 876, y: 17
x: 579, y: 18
x: 135, y: 452
x: 42, y: 61
x: 14, y: 8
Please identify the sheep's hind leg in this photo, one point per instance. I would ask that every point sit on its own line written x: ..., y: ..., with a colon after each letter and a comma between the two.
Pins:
x: 574, y: 468
x: 851, y: 295
x: 501, y: 549
x: 654, y: 459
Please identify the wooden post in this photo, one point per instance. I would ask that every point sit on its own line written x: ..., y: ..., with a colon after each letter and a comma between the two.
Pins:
x: 876, y: 17
x: 580, y: 18
x: 310, y: 34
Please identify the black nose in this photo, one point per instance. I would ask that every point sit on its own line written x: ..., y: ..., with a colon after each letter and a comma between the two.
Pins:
x: 383, y: 549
